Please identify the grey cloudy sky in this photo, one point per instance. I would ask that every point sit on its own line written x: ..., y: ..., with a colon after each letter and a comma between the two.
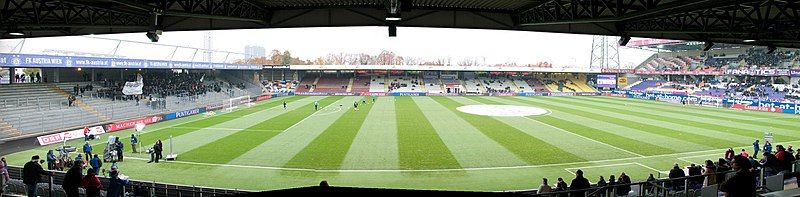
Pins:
x: 495, y: 46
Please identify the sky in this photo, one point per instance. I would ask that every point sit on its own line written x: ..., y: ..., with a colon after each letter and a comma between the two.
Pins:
x: 488, y: 46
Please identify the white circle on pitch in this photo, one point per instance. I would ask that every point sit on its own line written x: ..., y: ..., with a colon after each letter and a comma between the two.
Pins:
x: 502, y: 110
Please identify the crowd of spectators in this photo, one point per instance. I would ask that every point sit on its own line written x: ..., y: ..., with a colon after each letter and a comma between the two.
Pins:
x: 280, y: 85
x: 750, y: 59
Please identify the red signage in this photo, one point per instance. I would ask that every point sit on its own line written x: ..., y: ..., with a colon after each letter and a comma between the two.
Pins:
x: 68, y: 135
x: 263, y: 97
x: 373, y: 94
x: 757, y: 108
x: 132, y: 123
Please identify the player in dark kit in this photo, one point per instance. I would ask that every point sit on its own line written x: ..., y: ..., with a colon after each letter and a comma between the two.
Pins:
x: 316, y: 105
x: 284, y: 104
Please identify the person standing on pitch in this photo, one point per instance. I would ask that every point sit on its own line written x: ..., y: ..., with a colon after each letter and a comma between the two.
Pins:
x: 756, y: 147
x: 316, y: 105
x: 355, y: 106
x: 134, y: 142
x: 284, y: 104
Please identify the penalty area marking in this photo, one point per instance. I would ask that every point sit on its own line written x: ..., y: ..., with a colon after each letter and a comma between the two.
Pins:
x: 502, y: 110
x: 612, y: 165
x: 450, y: 170
x: 590, y: 139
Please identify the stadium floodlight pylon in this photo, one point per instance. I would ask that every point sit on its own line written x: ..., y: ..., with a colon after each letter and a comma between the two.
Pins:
x: 234, y: 103
x: 605, y: 52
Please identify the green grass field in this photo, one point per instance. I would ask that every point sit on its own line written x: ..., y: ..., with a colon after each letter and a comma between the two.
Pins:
x: 427, y: 143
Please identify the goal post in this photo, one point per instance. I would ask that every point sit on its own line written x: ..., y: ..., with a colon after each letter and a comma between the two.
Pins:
x: 234, y: 103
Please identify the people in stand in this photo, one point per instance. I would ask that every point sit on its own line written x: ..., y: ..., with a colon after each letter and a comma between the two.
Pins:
x: 72, y: 180
x: 96, y: 163
x: 612, y: 181
x: 600, y: 184
x: 4, y: 176
x: 561, y: 186
x: 767, y: 147
x: 744, y: 153
x: 32, y: 175
x: 675, y: 173
x: 579, y: 183
x: 91, y: 183
x: 625, y: 189
x: 742, y: 183
x: 756, y: 147
x: 695, y: 170
x: 729, y: 154
x: 134, y: 142
x: 115, y: 183
x: 544, y: 187
x: 155, y: 155
x: 709, y: 170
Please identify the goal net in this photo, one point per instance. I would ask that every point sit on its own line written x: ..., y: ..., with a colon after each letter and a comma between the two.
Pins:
x: 234, y: 103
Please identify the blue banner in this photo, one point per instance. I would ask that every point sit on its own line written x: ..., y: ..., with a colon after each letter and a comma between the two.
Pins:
x: 184, y: 113
x: 52, y: 61
x: 789, y: 108
x: 407, y: 94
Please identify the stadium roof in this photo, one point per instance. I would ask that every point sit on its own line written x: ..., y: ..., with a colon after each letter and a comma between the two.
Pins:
x: 767, y: 22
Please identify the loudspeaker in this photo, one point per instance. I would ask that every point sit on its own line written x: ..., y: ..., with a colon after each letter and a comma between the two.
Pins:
x: 624, y: 40
x: 392, y: 31
x: 707, y: 46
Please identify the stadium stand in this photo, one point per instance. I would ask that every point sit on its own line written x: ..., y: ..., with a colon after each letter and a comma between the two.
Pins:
x: 497, y: 84
x: 405, y: 84
x: 730, y: 58
x: 279, y: 86
x: 377, y: 84
x: 433, y: 84
x: 331, y: 84
x: 361, y: 84
x: 522, y: 85
x: 307, y: 84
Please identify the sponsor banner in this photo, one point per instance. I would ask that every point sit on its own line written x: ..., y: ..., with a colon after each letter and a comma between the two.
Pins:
x: 622, y: 81
x: 794, y: 72
x: 789, y: 108
x: 678, y: 72
x: 474, y: 94
x: 342, y: 94
x: 263, y: 97
x: 616, y: 70
x: 184, y: 113
x: 132, y: 123
x: 532, y: 94
x: 651, y: 41
x: 614, y: 94
x: 561, y: 94
x: 757, y: 108
x: 68, y: 135
x: 407, y: 94
x: 213, y: 107
x: 373, y: 94
x: 587, y: 93
x: 311, y: 93
x: 503, y: 94
x: 444, y: 94
x: 53, y: 61
x: 759, y: 72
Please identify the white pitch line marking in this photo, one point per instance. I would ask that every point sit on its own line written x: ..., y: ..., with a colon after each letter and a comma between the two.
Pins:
x: 453, y: 170
x: 312, y: 114
x: 590, y: 139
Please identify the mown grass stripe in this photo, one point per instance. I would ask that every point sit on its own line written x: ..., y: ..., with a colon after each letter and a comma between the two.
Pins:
x: 747, y: 113
x: 228, y: 148
x: 526, y: 147
x: 419, y: 146
x: 329, y: 149
x: 149, y: 138
x: 748, y: 119
x: 659, y: 130
x: 612, y: 139
x: 650, y: 115
x: 686, y: 119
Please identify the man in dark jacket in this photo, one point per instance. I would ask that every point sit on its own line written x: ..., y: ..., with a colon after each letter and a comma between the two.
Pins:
x: 741, y: 184
x: 579, y: 183
x: 155, y: 155
x: 72, y: 180
x: 676, y: 172
x: 32, y: 175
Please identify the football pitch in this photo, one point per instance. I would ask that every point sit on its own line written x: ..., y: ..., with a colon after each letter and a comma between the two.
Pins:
x: 428, y: 143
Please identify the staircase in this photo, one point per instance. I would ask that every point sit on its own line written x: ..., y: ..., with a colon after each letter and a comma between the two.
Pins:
x: 313, y: 85
x: 350, y: 85
x: 79, y: 102
x: 6, y: 130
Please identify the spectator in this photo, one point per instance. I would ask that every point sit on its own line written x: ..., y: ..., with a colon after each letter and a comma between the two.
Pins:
x: 4, y: 177
x: 96, y: 163
x: 695, y: 170
x: 652, y: 181
x: 72, y: 180
x: 767, y: 147
x: 544, y: 187
x: 624, y: 179
x: 561, y: 186
x: 743, y: 181
x: 600, y: 184
x: 729, y: 154
x: 744, y: 153
x: 708, y: 172
x: 579, y: 183
x: 32, y: 174
x: 115, y: 184
x: 675, y: 173
x: 85, y: 133
x: 756, y: 147
x: 91, y: 183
